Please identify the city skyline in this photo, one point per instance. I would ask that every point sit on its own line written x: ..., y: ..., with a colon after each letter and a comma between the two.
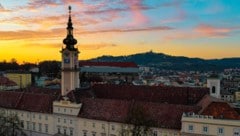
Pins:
x: 33, y: 31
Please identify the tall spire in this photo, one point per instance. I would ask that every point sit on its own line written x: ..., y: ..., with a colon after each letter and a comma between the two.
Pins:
x: 70, y: 41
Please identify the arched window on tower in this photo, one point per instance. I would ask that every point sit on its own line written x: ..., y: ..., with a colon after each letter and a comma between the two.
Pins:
x: 213, y: 89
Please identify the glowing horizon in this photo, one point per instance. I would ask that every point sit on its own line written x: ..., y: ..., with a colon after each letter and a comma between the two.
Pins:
x: 33, y: 30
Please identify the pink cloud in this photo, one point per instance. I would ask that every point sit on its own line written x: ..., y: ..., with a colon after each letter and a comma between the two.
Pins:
x: 96, y: 46
x: 212, y: 31
x: 200, y: 31
x: 136, y: 7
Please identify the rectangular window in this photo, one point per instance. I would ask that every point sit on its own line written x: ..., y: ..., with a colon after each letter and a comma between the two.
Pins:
x: 59, y: 130
x: 58, y: 120
x: 28, y: 125
x: 70, y: 121
x: 33, y: 115
x: 34, y: 126
x: 205, y: 129
x: 39, y: 127
x: 103, y: 134
x: 46, y: 128
x: 64, y: 120
x: 220, y: 131
x: 190, y: 128
x: 236, y: 134
x: 22, y: 124
x: 71, y: 132
x: 93, y: 133
x: 103, y: 126
x: 93, y: 125
x: 40, y: 116
x: 113, y: 128
x: 46, y: 117
x: 155, y: 133
x: 64, y: 131
x: 84, y: 133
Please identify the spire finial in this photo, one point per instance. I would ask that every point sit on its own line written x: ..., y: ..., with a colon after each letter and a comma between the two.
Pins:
x: 70, y: 41
x: 69, y: 8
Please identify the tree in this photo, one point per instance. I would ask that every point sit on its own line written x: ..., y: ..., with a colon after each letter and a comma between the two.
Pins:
x: 50, y: 68
x: 10, y: 125
x: 138, y: 123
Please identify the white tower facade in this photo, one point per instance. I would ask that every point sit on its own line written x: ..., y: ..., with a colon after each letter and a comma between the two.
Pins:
x: 70, y: 66
x: 213, y: 83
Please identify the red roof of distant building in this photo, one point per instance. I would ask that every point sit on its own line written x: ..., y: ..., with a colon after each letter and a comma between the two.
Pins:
x: 109, y: 64
x: 171, y: 95
x: 26, y: 101
x: 217, y: 108
x: 6, y: 82
x: 162, y: 115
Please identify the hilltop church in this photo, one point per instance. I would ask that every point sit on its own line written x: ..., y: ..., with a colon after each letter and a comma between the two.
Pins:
x: 107, y: 110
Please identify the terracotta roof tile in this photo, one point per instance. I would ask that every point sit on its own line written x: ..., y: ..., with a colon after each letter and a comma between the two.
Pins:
x: 164, y: 115
x: 9, y: 99
x: 28, y: 101
x: 104, y: 109
x: 171, y: 95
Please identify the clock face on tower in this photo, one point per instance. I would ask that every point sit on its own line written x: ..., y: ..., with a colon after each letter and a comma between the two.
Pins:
x: 66, y: 60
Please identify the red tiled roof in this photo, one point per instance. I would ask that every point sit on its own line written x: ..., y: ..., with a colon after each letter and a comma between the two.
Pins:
x: 28, y: 101
x: 163, y: 115
x: 109, y: 64
x: 6, y: 82
x: 166, y: 115
x: 217, y: 108
x: 9, y: 99
x: 171, y: 95
x: 35, y: 103
x: 104, y: 109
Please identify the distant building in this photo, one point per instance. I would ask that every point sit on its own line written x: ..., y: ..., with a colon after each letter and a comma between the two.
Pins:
x: 22, y: 79
x: 216, y: 118
x: 6, y: 84
x: 109, y: 71
x: 237, y: 96
x: 213, y: 83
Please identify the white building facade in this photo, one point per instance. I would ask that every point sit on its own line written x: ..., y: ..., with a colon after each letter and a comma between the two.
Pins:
x: 207, y: 125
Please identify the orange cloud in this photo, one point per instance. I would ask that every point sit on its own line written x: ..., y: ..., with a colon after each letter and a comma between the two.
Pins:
x: 96, y: 46
x: 122, y: 30
x: 24, y: 34
x: 2, y: 9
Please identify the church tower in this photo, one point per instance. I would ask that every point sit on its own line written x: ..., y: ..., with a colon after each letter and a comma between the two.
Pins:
x: 213, y: 83
x: 70, y: 66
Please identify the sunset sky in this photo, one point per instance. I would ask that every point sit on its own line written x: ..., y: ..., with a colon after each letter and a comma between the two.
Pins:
x: 33, y: 30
